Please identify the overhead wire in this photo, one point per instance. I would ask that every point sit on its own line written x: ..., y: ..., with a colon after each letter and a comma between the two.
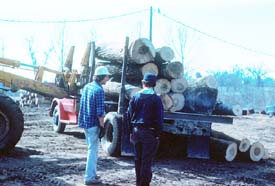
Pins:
x: 215, y: 37
x: 74, y: 21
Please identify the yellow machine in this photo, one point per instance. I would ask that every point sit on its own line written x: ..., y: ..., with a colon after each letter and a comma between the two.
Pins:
x: 67, y: 85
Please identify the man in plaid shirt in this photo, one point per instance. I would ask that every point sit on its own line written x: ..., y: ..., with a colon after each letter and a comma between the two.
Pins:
x: 91, y: 118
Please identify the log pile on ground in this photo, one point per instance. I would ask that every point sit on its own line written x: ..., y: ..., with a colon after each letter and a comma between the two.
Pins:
x: 232, y: 148
x: 178, y: 95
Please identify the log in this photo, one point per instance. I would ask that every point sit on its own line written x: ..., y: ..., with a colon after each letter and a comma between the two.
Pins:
x: 164, y: 54
x: 222, y: 149
x: 207, y: 81
x: 113, y: 89
x: 223, y: 109
x: 150, y: 68
x: 256, y: 151
x: 133, y: 74
x: 171, y: 70
x: 84, y: 71
x: 243, y: 145
x: 110, y: 52
x: 200, y: 100
x: 163, y: 86
x: 69, y: 60
x: 142, y: 51
x: 167, y: 101
x: 178, y: 102
x: 179, y: 85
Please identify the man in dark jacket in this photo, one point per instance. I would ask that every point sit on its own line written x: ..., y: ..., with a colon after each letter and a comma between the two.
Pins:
x: 145, y: 118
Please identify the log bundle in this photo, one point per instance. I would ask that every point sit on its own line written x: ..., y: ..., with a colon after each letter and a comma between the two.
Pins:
x: 177, y: 95
x: 174, y: 89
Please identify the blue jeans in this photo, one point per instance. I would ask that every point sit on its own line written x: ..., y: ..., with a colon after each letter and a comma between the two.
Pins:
x: 145, y: 148
x: 92, y: 140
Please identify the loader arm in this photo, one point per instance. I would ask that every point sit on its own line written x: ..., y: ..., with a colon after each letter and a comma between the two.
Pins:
x: 16, y: 82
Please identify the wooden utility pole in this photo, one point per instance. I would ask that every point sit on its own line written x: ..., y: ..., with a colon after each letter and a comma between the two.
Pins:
x: 151, y: 23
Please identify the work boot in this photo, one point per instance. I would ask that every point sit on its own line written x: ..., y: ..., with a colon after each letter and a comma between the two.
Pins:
x: 92, y: 182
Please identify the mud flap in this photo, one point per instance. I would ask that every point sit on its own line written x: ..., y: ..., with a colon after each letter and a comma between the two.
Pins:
x: 198, y: 147
x: 127, y: 148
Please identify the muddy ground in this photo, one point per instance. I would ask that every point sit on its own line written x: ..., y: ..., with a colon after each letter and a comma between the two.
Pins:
x: 43, y: 157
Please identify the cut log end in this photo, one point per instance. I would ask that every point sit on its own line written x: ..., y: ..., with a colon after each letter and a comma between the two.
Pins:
x: 167, y: 101
x: 150, y: 68
x: 178, y: 102
x: 222, y: 149
x: 257, y: 151
x: 142, y: 51
x: 237, y: 110
x: 179, y: 85
x: 166, y: 53
x: 231, y: 152
x: 207, y: 81
x: 163, y: 86
x: 244, y: 145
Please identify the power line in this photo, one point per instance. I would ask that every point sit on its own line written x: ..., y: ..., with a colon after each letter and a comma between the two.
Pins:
x: 73, y: 21
x: 215, y: 37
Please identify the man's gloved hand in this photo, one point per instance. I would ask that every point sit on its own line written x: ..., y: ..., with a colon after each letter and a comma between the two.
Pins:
x: 101, y: 132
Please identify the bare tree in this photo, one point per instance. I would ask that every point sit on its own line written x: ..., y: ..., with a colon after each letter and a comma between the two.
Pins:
x: 60, y: 47
x: 179, y: 44
x: 32, y: 52
x: 47, y: 54
x: 258, y: 73
x: 2, y: 48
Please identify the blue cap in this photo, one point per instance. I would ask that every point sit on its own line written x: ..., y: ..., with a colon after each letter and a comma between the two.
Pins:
x: 149, y: 77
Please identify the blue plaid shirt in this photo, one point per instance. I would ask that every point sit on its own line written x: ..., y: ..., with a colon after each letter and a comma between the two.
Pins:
x: 91, y: 105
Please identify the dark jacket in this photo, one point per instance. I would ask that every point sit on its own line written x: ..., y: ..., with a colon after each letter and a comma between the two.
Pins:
x: 145, y: 110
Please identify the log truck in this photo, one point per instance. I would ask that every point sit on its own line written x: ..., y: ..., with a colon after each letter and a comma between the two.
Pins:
x: 65, y: 106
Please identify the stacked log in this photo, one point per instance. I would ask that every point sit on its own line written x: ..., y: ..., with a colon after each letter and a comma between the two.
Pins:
x: 171, y: 70
x: 163, y: 86
x: 112, y: 89
x: 141, y: 51
x: 200, y: 100
x: 179, y: 85
x: 223, y: 109
x: 178, y: 101
x: 164, y: 54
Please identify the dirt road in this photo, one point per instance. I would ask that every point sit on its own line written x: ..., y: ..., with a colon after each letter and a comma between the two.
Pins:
x: 43, y: 157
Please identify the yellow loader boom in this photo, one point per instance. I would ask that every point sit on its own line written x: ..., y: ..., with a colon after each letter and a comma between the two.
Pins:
x: 17, y: 82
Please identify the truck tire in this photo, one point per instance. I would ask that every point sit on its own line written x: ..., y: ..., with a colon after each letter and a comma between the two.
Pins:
x: 58, y: 127
x: 11, y: 124
x: 111, y: 141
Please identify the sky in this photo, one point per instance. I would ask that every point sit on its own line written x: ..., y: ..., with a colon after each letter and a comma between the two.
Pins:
x: 219, y: 34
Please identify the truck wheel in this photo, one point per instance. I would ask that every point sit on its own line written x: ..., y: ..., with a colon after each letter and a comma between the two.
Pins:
x: 11, y: 124
x: 111, y: 140
x: 58, y: 127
